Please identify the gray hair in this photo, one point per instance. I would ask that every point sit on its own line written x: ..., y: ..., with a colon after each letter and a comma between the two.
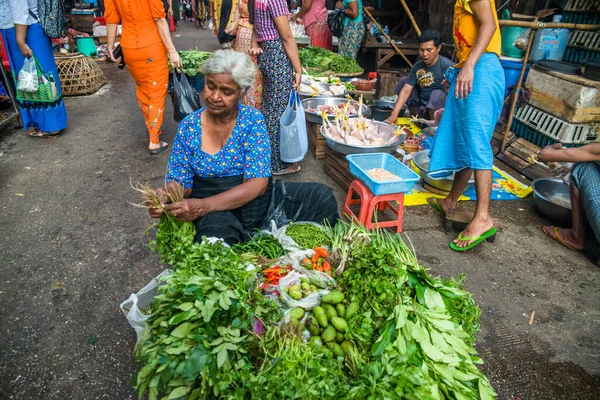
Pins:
x: 239, y: 65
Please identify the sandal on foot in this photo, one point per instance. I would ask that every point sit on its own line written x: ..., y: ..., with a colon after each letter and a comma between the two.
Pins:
x: 555, y: 236
x: 160, y: 149
x: 291, y: 170
x: 489, y: 235
x: 46, y: 135
x: 433, y: 202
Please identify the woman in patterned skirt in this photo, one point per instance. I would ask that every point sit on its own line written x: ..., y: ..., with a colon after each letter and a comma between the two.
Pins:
x: 274, y: 45
x: 200, y: 13
x: 243, y: 43
x: 354, y: 28
x: 314, y: 16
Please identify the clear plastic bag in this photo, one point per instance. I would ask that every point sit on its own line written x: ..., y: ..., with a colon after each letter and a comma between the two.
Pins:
x: 523, y: 41
x: 28, y: 77
x: 322, y: 281
x: 133, y: 306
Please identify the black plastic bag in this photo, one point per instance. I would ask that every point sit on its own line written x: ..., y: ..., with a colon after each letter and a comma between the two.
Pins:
x: 335, y: 21
x: 184, y: 97
x: 280, y: 201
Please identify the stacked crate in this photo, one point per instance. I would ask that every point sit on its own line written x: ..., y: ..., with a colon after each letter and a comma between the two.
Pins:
x: 562, y: 109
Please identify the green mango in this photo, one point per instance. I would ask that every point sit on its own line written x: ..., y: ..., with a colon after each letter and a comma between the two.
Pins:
x: 346, y: 344
x: 328, y: 334
x: 315, y: 342
x: 340, y: 324
x: 297, y: 313
x: 341, y: 310
x: 330, y: 311
x: 295, y: 294
x: 339, y: 337
x: 334, y: 297
x: 351, y: 310
x: 337, y: 350
x: 312, y: 325
x: 321, y: 316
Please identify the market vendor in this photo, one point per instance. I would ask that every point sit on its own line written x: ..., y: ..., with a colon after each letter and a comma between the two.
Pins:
x: 585, y: 192
x: 423, y: 91
x: 222, y: 157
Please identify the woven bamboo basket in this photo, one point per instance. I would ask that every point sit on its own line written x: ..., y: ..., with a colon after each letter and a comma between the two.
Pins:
x: 79, y: 75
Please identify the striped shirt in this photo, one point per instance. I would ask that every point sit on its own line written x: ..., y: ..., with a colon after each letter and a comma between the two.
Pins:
x: 265, y: 12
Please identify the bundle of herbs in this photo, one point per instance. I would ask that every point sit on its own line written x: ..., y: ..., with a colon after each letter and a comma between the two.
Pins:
x: 191, y: 61
x: 324, y: 60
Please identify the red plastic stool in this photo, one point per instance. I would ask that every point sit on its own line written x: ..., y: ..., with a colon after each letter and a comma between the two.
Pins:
x: 369, y: 202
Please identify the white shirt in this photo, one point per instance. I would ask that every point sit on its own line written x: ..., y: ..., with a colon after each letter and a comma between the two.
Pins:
x: 6, y: 20
x: 20, y: 11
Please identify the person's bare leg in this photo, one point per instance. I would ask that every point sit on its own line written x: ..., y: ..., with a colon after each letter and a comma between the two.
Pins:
x: 461, y: 178
x: 481, y: 222
x: 574, y: 237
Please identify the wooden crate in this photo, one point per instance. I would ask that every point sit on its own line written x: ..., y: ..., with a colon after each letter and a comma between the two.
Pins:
x: 517, y: 156
x: 336, y: 167
x: 316, y: 141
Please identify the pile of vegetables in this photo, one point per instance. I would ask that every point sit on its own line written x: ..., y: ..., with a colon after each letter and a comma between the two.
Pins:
x: 192, y: 60
x: 387, y: 331
x: 319, y: 60
x: 308, y: 236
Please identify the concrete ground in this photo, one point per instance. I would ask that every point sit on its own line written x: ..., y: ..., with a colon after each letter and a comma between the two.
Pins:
x: 73, y: 248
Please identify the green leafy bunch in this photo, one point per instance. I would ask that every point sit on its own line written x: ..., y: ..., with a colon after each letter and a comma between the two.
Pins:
x: 325, y: 60
x: 192, y: 60
x: 200, y: 326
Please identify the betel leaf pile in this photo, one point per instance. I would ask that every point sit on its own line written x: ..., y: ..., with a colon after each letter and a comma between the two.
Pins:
x: 317, y: 59
x: 212, y: 334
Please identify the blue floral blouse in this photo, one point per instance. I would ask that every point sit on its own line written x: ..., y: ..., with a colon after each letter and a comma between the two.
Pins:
x: 247, y: 152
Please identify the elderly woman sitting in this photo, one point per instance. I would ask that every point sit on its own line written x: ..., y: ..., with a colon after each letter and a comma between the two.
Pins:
x: 222, y: 157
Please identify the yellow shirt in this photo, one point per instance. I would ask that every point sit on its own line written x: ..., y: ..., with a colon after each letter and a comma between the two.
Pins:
x: 466, y: 29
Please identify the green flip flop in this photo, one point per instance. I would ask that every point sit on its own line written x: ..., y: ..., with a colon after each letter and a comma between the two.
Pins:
x: 490, y: 236
x: 432, y: 201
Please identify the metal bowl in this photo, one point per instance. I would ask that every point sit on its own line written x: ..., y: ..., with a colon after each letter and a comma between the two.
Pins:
x: 421, y: 160
x: 387, y: 131
x: 315, y: 102
x: 553, y: 199
x: 323, y: 87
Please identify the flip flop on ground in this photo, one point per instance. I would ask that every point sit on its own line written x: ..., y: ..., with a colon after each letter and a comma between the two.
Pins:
x: 489, y: 235
x: 291, y: 170
x: 163, y: 146
x: 36, y: 133
x: 552, y: 233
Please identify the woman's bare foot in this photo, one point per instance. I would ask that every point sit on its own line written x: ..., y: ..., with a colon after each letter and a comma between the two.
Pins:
x: 566, y: 237
x: 475, y: 229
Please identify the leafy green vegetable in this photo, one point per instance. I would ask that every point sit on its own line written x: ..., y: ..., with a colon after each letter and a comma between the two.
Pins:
x: 192, y: 60
x: 325, y: 60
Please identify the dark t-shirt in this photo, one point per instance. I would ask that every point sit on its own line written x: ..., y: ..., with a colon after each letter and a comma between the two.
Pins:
x: 427, y: 79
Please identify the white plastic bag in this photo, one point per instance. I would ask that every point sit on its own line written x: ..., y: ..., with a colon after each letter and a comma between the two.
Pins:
x: 293, y: 141
x: 28, y: 77
x: 133, y: 306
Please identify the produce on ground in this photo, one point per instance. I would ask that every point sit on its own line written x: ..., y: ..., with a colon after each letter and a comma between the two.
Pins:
x: 308, y: 236
x: 389, y: 331
x: 324, y: 60
x: 381, y: 174
x: 263, y: 245
x: 192, y: 60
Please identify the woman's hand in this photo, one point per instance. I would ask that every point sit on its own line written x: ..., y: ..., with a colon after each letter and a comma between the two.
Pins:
x: 175, y: 59
x: 255, y: 51
x: 464, y: 82
x: 294, y: 18
x: 297, y: 80
x: 188, y: 209
x: 25, y: 50
x: 170, y: 11
x: 158, y: 212
x: 112, y: 58
x: 215, y: 31
x: 232, y: 28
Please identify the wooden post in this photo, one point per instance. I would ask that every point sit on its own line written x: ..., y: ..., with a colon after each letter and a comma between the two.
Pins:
x: 389, y: 39
x: 515, y: 98
x: 410, y: 16
x: 552, y: 25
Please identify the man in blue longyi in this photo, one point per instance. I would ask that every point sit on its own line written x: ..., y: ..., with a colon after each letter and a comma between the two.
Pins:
x: 462, y: 142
